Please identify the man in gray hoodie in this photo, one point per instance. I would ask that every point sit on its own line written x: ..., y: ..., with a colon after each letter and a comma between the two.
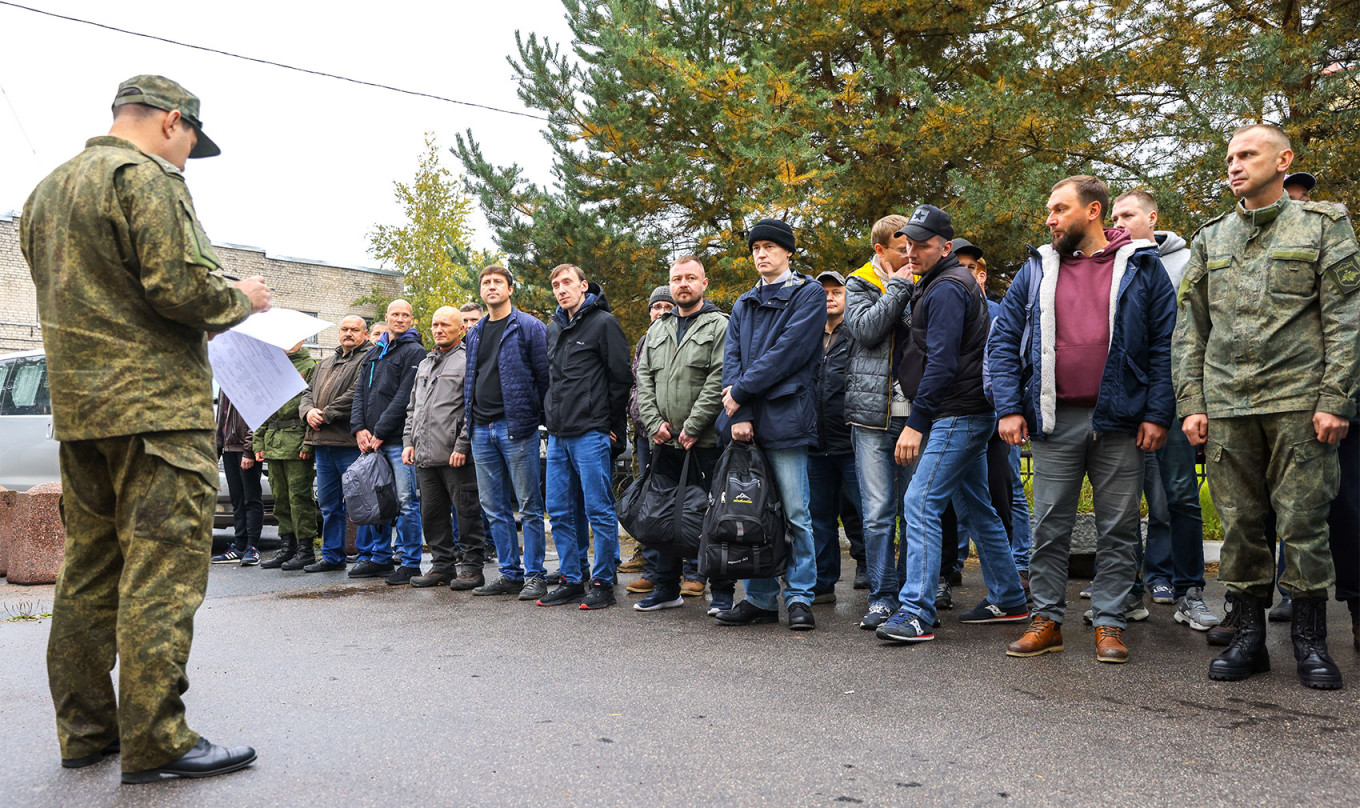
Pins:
x: 1173, y: 565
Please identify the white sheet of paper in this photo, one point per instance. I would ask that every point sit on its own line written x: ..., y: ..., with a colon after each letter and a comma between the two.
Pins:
x: 282, y: 327
x: 257, y: 376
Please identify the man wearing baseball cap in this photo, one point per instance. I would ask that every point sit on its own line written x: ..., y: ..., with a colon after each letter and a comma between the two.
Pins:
x: 128, y: 286
x: 946, y: 435
x: 1299, y: 184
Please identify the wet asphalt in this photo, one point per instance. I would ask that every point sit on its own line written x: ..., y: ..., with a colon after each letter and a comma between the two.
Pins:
x: 357, y: 693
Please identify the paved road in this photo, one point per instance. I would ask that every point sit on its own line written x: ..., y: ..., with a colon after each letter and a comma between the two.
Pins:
x: 361, y: 694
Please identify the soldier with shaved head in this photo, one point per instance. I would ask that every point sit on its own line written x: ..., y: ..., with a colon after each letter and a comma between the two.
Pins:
x: 1267, y: 362
x: 435, y: 442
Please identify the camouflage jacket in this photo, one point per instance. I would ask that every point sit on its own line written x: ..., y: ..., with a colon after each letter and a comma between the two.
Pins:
x: 282, y: 435
x: 127, y: 287
x: 1268, y: 314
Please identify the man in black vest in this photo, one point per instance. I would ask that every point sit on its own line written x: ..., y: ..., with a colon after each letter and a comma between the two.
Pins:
x: 946, y: 435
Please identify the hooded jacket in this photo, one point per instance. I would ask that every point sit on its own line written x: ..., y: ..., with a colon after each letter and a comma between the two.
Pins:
x: 1175, y: 255
x: 770, y: 361
x: 332, y: 392
x: 384, y: 386
x: 681, y: 383
x: 876, y: 316
x: 435, y: 424
x: 589, y: 371
x: 1135, y: 385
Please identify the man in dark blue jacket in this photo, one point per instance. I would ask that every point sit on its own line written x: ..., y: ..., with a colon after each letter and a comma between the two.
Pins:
x: 377, y: 421
x: 769, y: 395
x: 947, y: 432
x: 834, y: 487
x: 507, y: 377
x: 1080, y: 361
x: 589, y: 378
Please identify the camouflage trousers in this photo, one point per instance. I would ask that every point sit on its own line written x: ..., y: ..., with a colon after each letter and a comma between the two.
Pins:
x: 137, y: 510
x: 294, y: 499
x: 1254, y: 464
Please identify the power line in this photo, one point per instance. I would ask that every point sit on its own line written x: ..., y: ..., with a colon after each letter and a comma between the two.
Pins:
x: 15, y: 113
x: 271, y: 63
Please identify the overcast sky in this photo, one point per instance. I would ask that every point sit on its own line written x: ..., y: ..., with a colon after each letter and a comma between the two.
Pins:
x: 307, y: 162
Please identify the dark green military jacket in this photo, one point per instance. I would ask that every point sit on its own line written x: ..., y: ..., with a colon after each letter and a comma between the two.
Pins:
x: 1269, y: 316
x: 127, y: 288
x: 282, y: 436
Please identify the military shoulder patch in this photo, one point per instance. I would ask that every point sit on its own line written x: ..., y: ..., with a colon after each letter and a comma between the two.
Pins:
x: 1345, y: 274
x: 1329, y: 209
x: 1206, y: 224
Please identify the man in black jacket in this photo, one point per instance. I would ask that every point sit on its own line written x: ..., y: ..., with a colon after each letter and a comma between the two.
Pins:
x: 377, y: 420
x: 833, y: 486
x: 589, y: 376
x: 946, y: 435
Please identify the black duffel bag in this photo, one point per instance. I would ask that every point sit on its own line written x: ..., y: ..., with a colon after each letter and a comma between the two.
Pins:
x: 663, y: 513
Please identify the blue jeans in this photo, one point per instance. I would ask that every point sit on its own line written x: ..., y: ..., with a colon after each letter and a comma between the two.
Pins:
x: 409, y: 529
x: 579, y: 469
x: 790, y: 469
x: 829, y: 476
x: 1020, y: 530
x: 1175, y: 555
x: 953, y: 466
x: 331, y: 464
x: 882, y: 484
x: 504, y: 465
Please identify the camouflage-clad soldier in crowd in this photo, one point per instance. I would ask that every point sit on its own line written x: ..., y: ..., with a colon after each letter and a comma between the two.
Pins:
x: 127, y: 287
x: 280, y: 441
x: 1266, y: 357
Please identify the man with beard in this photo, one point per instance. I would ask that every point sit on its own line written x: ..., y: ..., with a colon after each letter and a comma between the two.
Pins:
x: 1085, y: 370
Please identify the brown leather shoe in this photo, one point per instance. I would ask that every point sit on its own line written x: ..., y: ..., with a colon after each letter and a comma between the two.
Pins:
x: 1110, y: 644
x: 1043, y: 636
x: 641, y: 586
x: 692, y: 589
x: 466, y: 581
x: 635, y: 564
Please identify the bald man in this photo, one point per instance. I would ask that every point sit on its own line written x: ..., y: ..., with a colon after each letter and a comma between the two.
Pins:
x: 326, y: 407
x: 435, y: 442
x: 1266, y: 362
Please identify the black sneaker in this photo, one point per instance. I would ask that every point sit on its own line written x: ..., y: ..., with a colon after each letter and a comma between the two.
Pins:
x: 229, y: 557
x: 944, y: 595
x: 370, y: 569
x: 402, y: 576
x: 555, y: 578
x: 534, y: 588
x: 800, y: 617
x: 600, y: 596
x: 500, y: 586
x: 877, y: 615
x: 986, y: 612
x: 563, y: 594
x: 746, y: 613
x: 861, y: 578
x: 324, y: 566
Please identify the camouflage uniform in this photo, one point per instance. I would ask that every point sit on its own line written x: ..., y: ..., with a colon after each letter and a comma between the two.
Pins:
x: 281, y: 438
x: 1267, y: 336
x: 126, y: 289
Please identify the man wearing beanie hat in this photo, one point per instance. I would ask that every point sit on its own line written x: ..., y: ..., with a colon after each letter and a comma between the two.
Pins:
x: 769, y: 396
x: 127, y: 288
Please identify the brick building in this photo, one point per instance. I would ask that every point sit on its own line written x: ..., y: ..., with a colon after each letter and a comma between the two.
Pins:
x: 325, y: 290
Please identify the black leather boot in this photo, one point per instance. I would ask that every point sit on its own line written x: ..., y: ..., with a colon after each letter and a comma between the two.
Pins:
x: 1309, y: 633
x: 1246, y: 652
x: 287, y: 547
x: 304, y: 555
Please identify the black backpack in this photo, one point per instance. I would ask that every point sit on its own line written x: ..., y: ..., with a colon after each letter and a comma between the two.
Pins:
x: 744, y: 530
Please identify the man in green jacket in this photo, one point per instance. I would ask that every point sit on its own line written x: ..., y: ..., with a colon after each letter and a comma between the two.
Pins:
x: 281, y: 441
x: 679, y: 392
x: 127, y: 287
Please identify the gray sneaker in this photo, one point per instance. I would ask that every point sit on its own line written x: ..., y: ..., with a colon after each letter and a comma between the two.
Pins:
x: 1135, y: 613
x: 534, y: 588
x: 1191, y: 611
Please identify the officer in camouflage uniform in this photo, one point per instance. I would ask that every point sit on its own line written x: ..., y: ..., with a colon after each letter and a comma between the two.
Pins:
x: 280, y: 441
x: 1266, y: 356
x: 127, y: 286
